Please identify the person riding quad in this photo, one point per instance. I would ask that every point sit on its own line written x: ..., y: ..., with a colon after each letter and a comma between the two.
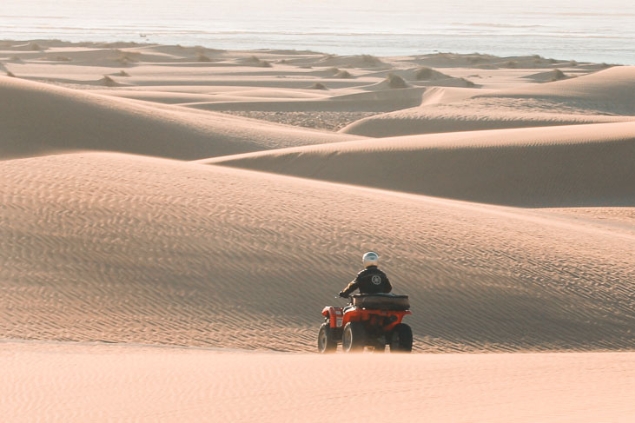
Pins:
x: 371, y: 280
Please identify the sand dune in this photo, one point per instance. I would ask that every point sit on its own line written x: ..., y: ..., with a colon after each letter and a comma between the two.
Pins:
x: 207, y: 274
x: 39, y: 119
x: 62, y: 382
x: 462, y: 118
x: 99, y: 227
x: 613, y: 88
x: 602, y: 97
x: 104, y: 247
x: 476, y: 117
x: 380, y: 99
x: 488, y: 61
x: 536, y: 167
x: 274, y: 84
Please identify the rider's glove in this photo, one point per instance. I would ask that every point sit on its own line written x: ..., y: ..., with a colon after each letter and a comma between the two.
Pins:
x: 343, y: 294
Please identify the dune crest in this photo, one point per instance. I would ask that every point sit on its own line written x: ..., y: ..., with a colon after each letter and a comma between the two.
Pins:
x: 534, y: 167
x: 38, y: 119
x: 602, y: 97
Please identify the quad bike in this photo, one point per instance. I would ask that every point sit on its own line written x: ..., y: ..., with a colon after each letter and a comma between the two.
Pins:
x: 370, y: 320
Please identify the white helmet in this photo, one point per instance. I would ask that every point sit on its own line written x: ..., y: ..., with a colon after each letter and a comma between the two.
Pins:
x: 370, y: 259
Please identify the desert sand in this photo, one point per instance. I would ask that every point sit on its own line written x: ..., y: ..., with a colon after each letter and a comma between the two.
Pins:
x: 173, y: 219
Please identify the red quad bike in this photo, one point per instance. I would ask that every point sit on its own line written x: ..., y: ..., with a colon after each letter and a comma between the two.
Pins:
x: 370, y: 320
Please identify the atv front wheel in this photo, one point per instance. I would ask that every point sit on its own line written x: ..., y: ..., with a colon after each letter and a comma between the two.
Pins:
x: 401, y: 339
x: 326, y: 342
x: 354, y: 337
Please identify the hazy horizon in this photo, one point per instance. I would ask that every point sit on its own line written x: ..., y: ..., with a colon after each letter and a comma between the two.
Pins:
x: 568, y: 30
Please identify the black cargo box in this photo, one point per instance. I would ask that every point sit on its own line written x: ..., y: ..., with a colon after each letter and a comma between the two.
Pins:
x: 381, y: 301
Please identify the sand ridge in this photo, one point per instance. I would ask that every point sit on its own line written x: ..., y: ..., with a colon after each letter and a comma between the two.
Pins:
x: 601, y: 97
x: 529, y: 167
x: 194, y: 250
x: 292, y: 81
x: 38, y: 119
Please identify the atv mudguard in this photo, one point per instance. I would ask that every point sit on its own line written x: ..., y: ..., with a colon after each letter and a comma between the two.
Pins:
x: 386, y: 319
x: 338, y: 319
x: 335, y: 316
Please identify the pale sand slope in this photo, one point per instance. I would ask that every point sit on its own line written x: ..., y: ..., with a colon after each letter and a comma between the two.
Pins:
x: 38, y: 119
x: 107, y: 247
x: 302, y: 88
x: 606, y: 96
x: 583, y: 165
x: 52, y: 382
x: 210, y: 79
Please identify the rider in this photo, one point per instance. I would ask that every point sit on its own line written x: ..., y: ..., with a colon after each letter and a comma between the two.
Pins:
x: 371, y: 280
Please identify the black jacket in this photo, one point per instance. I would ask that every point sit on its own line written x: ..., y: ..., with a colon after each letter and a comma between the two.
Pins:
x: 369, y: 281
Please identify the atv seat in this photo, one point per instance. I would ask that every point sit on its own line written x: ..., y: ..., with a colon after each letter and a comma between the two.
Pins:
x: 381, y: 301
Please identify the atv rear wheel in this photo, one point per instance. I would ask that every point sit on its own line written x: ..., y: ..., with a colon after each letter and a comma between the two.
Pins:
x: 401, y: 339
x: 354, y: 337
x: 326, y: 342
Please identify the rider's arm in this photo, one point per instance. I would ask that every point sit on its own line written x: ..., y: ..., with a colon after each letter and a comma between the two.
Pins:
x: 350, y: 287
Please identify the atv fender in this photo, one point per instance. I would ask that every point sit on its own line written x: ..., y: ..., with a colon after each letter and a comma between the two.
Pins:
x: 335, y: 315
x: 389, y: 317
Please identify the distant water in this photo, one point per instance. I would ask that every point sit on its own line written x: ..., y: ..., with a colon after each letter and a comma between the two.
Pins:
x: 582, y: 30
